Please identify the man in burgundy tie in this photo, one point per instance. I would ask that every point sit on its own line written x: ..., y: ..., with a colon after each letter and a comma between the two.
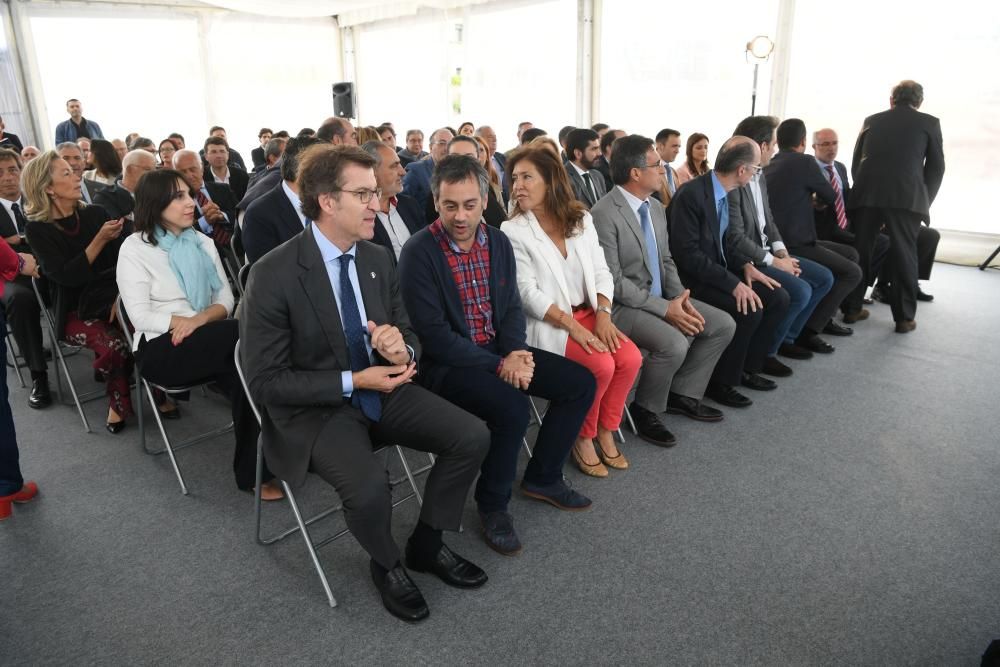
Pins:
x: 833, y: 223
x: 216, y: 211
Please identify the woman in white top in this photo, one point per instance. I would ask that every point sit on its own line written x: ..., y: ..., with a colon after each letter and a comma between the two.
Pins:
x: 177, y: 297
x: 566, y: 290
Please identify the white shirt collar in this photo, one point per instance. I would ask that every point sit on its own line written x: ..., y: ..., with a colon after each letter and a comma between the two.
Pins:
x: 578, y: 169
x: 294, y: 199
x: 632, y: 200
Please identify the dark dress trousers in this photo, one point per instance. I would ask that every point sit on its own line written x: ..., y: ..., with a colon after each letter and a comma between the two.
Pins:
x: 269, y: 221
x: 412, y: 216
x: 697, y: 249
x: 294, y: 353
x: 791, y: 180
x: 23, y: 312
x: 898, y: 168
x: 466, y: 373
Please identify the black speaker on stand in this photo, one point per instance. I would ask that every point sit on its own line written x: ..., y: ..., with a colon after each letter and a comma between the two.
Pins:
x: 343, y: 100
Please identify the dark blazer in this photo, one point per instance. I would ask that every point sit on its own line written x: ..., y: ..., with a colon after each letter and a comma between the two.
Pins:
x: 792, y: 179
x: 898, y: 161
x: 430, y: 294
x: 293, y: 343
x: 580, y: 187
x: 603, y: 166
x: 826, y: 218
x: 238, y: 180
x: 412, y: 217
x: 234, y: 158
x: 494, y: 214
x: 417, y: 181
x: 116, y: 200
x: 269, y: 221
x: 263, y: 182
x: 743, y: 234
x: 694, y: 237
x: 8, y: 228
x: 258, y: 158
x: 11, y: 141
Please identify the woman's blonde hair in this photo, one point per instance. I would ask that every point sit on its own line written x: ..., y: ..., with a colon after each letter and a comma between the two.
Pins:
x: 35, y: 178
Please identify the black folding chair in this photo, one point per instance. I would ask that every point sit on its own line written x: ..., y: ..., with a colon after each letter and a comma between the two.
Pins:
x: 985, y: 265
x: 12, y: 359
x: 142, y: 383
x: 302, y: 525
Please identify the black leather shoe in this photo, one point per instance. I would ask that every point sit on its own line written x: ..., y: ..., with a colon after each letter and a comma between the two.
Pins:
x: 447, y: 566
x: 692, y: 407
x: 115, y: 428
x: 924, y: 296
x: 498, y: 531
x: 726, y: 394
x: 834, y: 329
x: 40, y: 396
x: 793, y: 351
x: 650, y: 428
x: 754, y: 381
x: 815, y: 344
x: 774, y: 367
x: 399, y: 594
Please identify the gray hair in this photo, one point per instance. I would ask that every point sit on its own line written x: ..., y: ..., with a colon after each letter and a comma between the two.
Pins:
x: 736, y: 152
x: 372, y: 148
x: 68, y: 144
x: 458, y: 168
x: 274, y: 147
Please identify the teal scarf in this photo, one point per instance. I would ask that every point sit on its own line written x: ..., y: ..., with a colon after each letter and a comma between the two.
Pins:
x: 193, y: 268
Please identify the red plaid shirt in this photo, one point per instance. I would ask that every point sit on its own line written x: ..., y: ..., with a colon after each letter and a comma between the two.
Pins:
x: 471, y: 271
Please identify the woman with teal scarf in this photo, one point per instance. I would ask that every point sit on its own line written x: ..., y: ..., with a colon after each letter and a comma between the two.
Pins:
x: 178, y: 298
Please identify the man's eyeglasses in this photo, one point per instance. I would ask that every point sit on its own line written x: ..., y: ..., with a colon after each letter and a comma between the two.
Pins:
x: 755, y: 168
x: 655, y: 165
x: 365, y: 196
x: 827, y: 144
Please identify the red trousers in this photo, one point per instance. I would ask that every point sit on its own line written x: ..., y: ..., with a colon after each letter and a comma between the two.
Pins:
x: 615, y: 375
x: 112, y: 358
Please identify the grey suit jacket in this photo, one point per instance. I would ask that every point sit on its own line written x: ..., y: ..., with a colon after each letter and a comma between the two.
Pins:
x: 293, y: 343
x: 580, y: 188
x: 743, y: 243
x: 624, y: 247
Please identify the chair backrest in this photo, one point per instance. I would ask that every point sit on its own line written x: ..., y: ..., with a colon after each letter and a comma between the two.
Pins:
x: 236, y: 245
x: 124, y: 323
x: 244, y: 276
x: 243, y: 381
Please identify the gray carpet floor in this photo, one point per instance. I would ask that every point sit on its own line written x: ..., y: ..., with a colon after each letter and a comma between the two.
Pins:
x: 850, y: 517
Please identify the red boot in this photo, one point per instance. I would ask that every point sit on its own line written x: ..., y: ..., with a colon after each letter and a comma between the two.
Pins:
x: 26, y: 494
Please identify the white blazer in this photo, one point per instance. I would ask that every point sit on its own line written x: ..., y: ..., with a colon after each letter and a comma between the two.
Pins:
x: 541, y: 276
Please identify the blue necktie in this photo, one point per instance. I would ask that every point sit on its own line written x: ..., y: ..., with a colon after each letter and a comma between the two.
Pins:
x: 670, y: 181
x: 364, y: 399
x: 722, y: 208
x: 656, y: 289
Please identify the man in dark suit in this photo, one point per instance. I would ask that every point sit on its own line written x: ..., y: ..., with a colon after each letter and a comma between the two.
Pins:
x: 498, y: 159
x: 833, y: 223
x: 119, y: 199
x: 417, y: 182
x: 458, y: 280
x: 215, y: 205
x: 583, y: 147
x: 699, y: 218
x: 684, y: 337
x: 331, y: 387
x: 19, y: 301
x: 794, y: 182
x: 277, y: 216
x: 8, y: 140
x: 219, y: 169
x: 257, y: 154
x: 234, y: 156
x: 399, y: 217
x: 898, y: 168
x: 603, y: 163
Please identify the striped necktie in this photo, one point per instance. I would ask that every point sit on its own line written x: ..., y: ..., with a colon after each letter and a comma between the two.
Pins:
x: 838, y: 203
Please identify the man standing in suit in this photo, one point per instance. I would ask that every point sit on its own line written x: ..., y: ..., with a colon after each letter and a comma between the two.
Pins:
x: 215, y: 205
x: 684, y: 337
x: 898, y: 168
x: 330, y: 356
x: 794, y: 182
x: 277, y: 216
x: 398, y: 216
x: 458, y: 280
x: 257, y: 154
x: 23, y: 312
x: 219, y: 169
x: 417, y: 182
x: 76, y: 125
x: 699, y: 218
x: 583, y: 147
x: 498, y: 159
x: 833, y: 223
x: 118, y: 200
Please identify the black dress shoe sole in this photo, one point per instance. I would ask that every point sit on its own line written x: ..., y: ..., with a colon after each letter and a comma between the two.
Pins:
x: 414, y: 566
x: 746, y: 403
x: 115, y: 428
x: 839, y: 331
x: 35, y: 404
x: 826, y: 349
x: 693, y: 415
x: 553, y: 501
x: 756, y: 386
x: 402, y: 617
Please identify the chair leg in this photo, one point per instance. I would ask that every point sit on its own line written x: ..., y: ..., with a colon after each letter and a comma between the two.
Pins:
x: 309, y: 544
x: 166, y: 440
x: 631, y: 423
x: 985, y: 265
x: 527, y: 448
x: 69, y: 381
x: 409, y: 476
x: 13, y: 361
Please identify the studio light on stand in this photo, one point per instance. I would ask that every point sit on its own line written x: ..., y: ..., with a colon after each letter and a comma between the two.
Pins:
x: 759, y: 48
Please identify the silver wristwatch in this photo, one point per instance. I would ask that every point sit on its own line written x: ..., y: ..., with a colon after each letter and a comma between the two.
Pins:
x: 604, y: 309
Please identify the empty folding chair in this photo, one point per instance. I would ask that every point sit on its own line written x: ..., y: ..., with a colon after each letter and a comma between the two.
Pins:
x: 301, y: 524
x: 140, y: 384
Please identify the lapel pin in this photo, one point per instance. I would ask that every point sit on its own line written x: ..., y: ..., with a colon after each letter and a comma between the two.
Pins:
x: 373, y: 275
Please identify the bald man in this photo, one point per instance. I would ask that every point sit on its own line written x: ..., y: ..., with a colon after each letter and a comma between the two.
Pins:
x: 119, y: 199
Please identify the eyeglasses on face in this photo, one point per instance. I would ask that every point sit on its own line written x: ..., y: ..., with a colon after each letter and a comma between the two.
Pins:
x: 827, y: 144
x: 363, y: 195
